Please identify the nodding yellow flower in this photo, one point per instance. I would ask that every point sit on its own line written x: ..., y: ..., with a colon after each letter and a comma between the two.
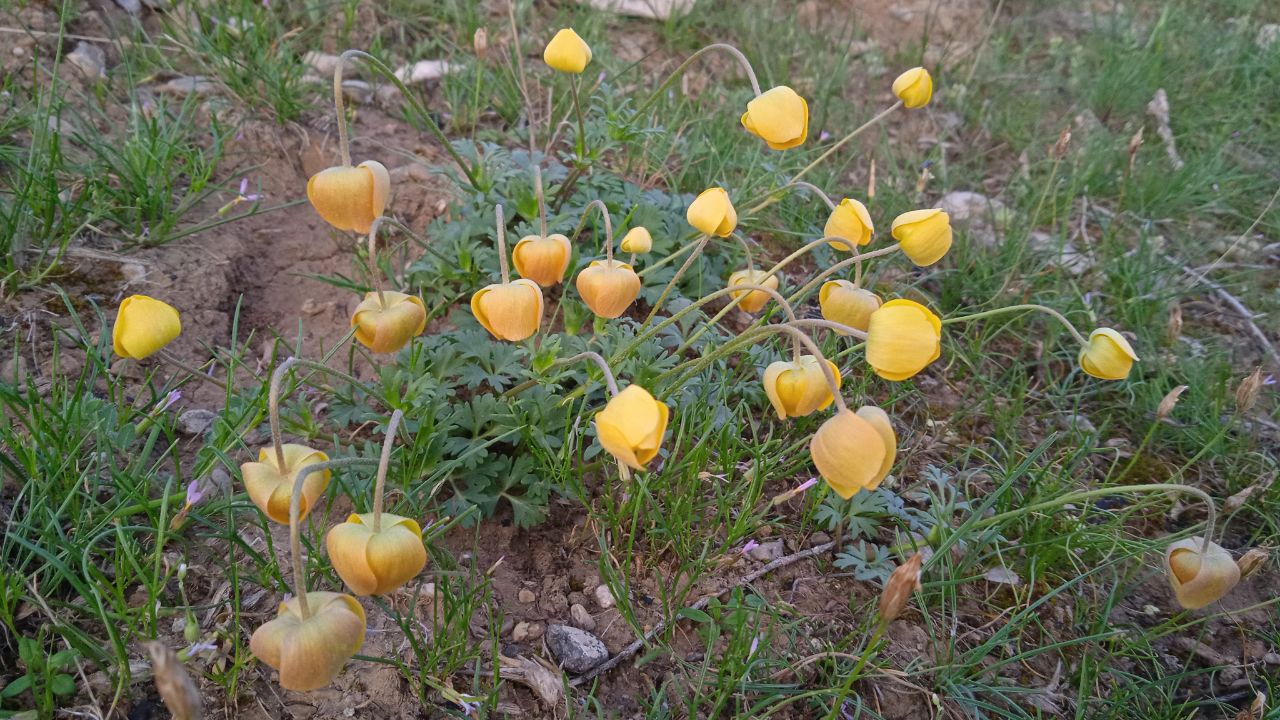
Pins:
x: 851, y: 221
x: 387, y: 329
x: 542, y: 259
x: 608, y: 287
x: 713, y: 213
x: 797, y: 389
x: 924, y: 235
x: 567, y: 52
x: 843, y: 302
x: 914, y: 87
x: 854, y: 451
x: 1108, y: 356
x: 309, y: 653
x: 631, y: 426
x: 1199, y: 578
x: 376, y: 563
x: 270, y: 487
x: 509, y: 311
x: 349, y: 198
x: 637, y: 240
x: 779, y: 116
x: 143, y: 326
x: 903, y: 337
x: 754, y: 300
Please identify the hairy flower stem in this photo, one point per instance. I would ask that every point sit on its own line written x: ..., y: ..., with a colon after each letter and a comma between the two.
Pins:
x: 694, y: 239
x: 419, y: 109
x: 537, y: 190
x: 725, y: 47
x: 381, y: 483
x: 501, y: 238
x: 608, y: 226
x: 657, y: 305
x: 598, y: 360
x: 273, y: 408
x: 580, y: 143
x: 746, y: 248
x: 1013, y: 308
x: 173, y: 360
x: 374, y: 272
x: 295, y: 510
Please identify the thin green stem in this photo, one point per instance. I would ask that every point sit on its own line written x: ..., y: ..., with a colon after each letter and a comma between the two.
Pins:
x: 697, y: 250
x: 374, y: 272
x: 735, y: 52
x: 746, y: 248
x: 853, y: 675
x: 815, y: 189
x: 295, y: 510
x: 542, y: 202
x: 381, y: 483
x: 501, y: 238
x: 693, y: 243
x: 1013, y: 308
x: 598, y: 360
x: 817, y: 279
x: 580, y: 143
x: 173, y: 360
x: 608, y: 226
x: 830, y: 325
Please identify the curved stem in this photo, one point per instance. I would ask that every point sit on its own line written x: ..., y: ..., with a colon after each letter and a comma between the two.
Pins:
x: 608, y: 226
x: 373, y: 260
x: 814, y: 188
x: 816, y: 351
x: 1211, y: 509
x: 501, y: 237
x: 418, y: 107
x: 737, y: 54
x: 381, y: 483
x: 672, y: 256
x: 542, y: 202
x: 746, y: 248
x: 1026, y: 306
x: 295, y: 509
x: 598, y: 360
x: 829, y: 325
x: 773, y: 196
x: 173, y: 360
x: 855, y: 260
x: 697, y: 250
x: 344, y: 142
x: 273, y: 408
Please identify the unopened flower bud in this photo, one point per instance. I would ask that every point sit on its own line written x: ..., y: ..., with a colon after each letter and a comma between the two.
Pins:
x: 904, y: 581
x: 1247, y: 392
x: 480, y: 42
x: 1199, y: 578
x: 349, y: 198
x: 608, y: 287
x: 1173, y: 329
x: 1252, y: 561
x: 1169, y: 401
x: 754, y: 300
x: 914, y: 87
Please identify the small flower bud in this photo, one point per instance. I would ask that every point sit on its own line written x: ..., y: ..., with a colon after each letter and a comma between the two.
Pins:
x: 914, y: 88
x: 567, y: 52
x: 1064, y: 142
x: 755, y: 300
x: 608, y: 287
x: 1252, y: 561
x: 1169, y: 401
x: 797, y: 389
x: 1247, y: 392
x: 480, y: 42
x: 904, y: 581
x: 1108, y: 356
x: 1173, y: 329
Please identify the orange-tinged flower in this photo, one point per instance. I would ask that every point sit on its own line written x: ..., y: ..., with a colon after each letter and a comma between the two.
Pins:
x: 143, y: 326
x: 924, y: 235
x: 637, y: 240
x: 509, y: 311
x: 1108, y: 356
x: 851, y: 221
x: 631, y: 426
x: 567, y: 52
x: 1199, y: 578
x: 755, y: 300
x: 349, y: 198
x: 797, y: 389
x: 270, y: 487
x: 914, y: 87
x: 843, y: 302
x: 854, y: 451
x: 309, y: 653
x: 903, y: 337
x: 542, y: 259
x: 376, y: 563
x: 779, y: 116
x: 712, y: 213
x: 387, y: 329
x: 608, y: 287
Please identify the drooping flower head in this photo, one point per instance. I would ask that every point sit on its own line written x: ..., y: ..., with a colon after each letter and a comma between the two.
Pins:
x: 542, y: 259
x: 143, y: 326
x: 309, y: 653
x: 843, y: 302
x: 509, y: 311
x: 270, y: 487
x: 349, y: 198
x: 754, y: 300
x: 903, y: 337
x: 797, y: 389
x: 851, y: 221
x: 631, y: 426
x: 1108, y: 356
x: 637, y: 240
x: 854, y: 450
x: 914, y: 87
x: 712, y: 213
x: 1199, y: 578
x: 376, y: 563
x: 608, y: 287
x: 387, y: 329
x: 779, y: 116
x: 924, y: 235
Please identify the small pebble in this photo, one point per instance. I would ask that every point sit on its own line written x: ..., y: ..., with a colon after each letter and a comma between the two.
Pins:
x: 196, y: 421
x: 604, y: 597
x: 520, y: 633
x: 767, y: 551
x: 581, y: 618
x: 526, y: 596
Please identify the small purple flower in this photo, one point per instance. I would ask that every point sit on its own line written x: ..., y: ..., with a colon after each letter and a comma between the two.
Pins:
x: 1269, y: 380
x: 824, y: 136
x: 201, y: 647
x: 755, y: 645
x: 173, y: 397
x: 806, y: 485
x: 751, y: 545
x: 469, y: 708
x: 244, y: 186
x: 194, y: 493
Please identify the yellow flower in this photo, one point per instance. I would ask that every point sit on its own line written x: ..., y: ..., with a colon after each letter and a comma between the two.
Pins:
x: 712, y: 213
x: 799, y: 389
x: 349, y: 198
x: 608, y: 287
x: 851, y: 221
x: 143, y: 326
x: 914, y: 87
x: 637, y: 240
x: 843, y: 302
x: 1199, y: 578
x: 567, y: 52
x: 754, y: 300
x: 309, y: 653
x: 376, y: 563
x: 271, y: 488
x: 542, y: 259
x: 1108, y: 355
x: 510, y: 311
x: 903, y: 337
x: 631, y: 426
x: 779, y: 116
x: 386, y: 330
x: 854, y: 451
x: 925, y: 235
